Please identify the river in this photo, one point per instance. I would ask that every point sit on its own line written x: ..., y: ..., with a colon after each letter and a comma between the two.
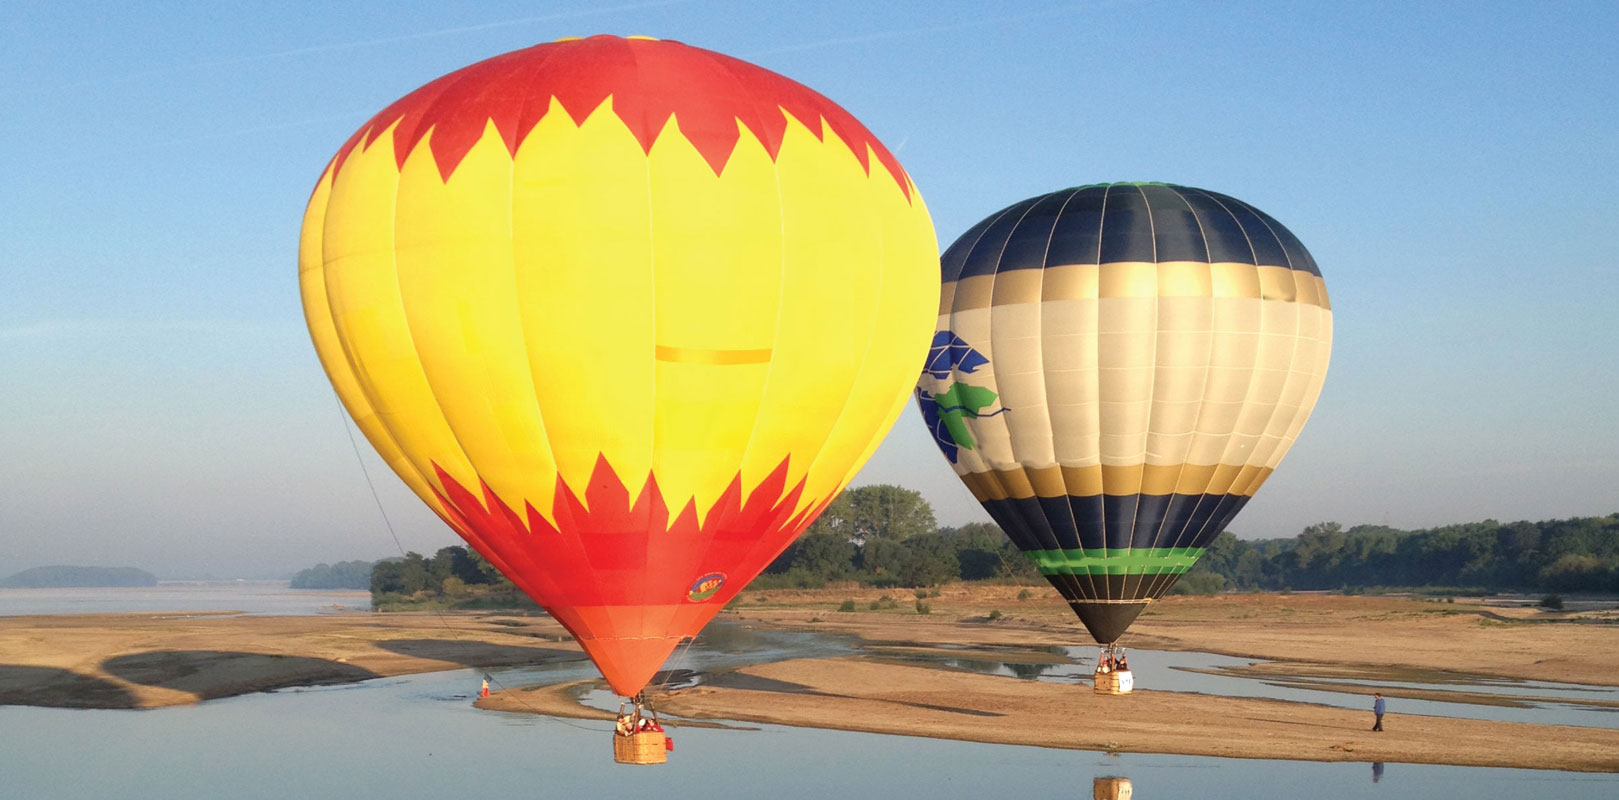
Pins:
x: 418, y: 736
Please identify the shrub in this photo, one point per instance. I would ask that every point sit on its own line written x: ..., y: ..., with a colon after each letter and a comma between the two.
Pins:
x: 848, y: 605
x: 1552, y: 601
x: 1025, y: 594
x: 995, y: 614
x: 923, y: 608
x: 921, y: 594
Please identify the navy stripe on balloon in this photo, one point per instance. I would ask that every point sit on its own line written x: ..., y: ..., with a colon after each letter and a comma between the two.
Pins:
x: 1115, y: 521
x: 1104, y: 224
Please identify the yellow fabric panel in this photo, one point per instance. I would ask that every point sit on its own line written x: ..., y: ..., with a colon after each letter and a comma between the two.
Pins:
x: 584, y: 297
x: 455, y: 268
x: 904, y: 244
x: 323, y: 332
x: 710, y: 297
x: 582, y: 246
x: 363, y: 293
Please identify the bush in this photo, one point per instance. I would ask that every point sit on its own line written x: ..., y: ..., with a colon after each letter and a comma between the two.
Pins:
x: 1025, y: 594
x: 848, y: 605
x: 921, y: 594
x: 923, y: 608
x: 995, y: 614
x: 1552, y: 601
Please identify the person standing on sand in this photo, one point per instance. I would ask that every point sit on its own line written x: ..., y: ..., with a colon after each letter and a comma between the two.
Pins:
x: 1378, y: 707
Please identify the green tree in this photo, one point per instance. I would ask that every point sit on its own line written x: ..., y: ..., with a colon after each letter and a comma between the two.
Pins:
x: 877, y: 512
x: 932, y: 562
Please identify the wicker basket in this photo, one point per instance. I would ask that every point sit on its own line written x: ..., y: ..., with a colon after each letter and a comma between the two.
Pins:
x: 1115, y: 682
x: 646, y: 747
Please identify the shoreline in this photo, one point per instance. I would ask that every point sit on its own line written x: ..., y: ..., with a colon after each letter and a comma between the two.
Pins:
x: 1328, y: 642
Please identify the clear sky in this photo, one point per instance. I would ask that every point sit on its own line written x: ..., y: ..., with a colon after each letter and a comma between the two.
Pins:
x: 1454, y: 168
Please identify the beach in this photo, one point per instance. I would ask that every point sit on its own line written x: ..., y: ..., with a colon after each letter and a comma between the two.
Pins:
x: 147, y: 660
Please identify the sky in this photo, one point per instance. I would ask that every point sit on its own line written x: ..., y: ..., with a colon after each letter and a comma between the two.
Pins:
x: 1451, y: 166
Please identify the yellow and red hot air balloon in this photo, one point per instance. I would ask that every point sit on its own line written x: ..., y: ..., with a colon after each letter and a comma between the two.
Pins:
x: 626, y: 314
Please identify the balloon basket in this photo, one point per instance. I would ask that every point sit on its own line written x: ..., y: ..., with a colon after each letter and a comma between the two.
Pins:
x: 646, y: 747
x: 1118, y: 681
x: 1112, y: 789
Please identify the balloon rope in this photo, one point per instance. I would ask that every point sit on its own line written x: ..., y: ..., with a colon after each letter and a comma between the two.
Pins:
x: 342, y: 414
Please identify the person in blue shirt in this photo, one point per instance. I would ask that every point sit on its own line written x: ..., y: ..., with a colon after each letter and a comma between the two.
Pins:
x: 1378, y: 708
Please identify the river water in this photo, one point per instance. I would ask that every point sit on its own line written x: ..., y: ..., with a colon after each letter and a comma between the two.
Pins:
x: 418, y: 736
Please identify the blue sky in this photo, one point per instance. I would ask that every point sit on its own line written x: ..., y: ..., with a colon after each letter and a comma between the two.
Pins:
x: 1450, y: 165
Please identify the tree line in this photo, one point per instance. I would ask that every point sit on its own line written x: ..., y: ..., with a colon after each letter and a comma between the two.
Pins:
x: 887, y: 536
x: 1561, y: 555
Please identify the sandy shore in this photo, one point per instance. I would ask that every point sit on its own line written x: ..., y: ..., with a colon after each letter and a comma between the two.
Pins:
x: 147, y: 660
x: 1323, y: 641
x: 852, y: 694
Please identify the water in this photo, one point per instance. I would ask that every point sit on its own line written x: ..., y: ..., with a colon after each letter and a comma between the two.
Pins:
x: 418, y: 736
x: 1205, y: 673
x: 249, y: 597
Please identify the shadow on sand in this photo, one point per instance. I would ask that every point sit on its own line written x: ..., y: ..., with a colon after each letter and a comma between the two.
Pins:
x: 50, y: 687
x: 213, y: 673
x: 472, y: 653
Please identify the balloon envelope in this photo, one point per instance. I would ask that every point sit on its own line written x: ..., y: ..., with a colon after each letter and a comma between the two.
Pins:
x: 1115, y: 371
x: 626, y: 314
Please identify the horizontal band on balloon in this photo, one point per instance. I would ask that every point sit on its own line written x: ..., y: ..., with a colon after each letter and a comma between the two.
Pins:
x: 1105, y: 589
x: 1108, y: 223
x: 1115, y: 522
x: 1114, y: 480
x: 702, y: 355
x: 1108, y: 561
x: 1134, y: 279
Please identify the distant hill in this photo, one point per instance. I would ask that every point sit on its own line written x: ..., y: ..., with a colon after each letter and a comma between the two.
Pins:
x: 59, y: 577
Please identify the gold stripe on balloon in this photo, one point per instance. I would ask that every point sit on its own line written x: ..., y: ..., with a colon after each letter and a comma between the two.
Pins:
x: 1134, y: 279
x: 708, y: 355
x: 1152, y: 479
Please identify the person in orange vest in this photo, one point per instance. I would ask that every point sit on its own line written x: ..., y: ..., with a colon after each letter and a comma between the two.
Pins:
x: 484, y: 692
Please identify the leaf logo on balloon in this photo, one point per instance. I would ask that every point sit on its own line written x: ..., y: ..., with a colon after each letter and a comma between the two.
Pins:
x: 946, y: 412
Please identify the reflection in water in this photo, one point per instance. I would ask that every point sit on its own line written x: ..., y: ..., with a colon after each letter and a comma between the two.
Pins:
x: 1377, y: 771
x: 1112, y: 788
x: 1029, y: 670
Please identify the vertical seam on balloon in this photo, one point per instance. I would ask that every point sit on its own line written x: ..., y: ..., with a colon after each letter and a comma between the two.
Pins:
x: 865, y: 355
x: 1101, y: 504
x: 1163, y: 581
x: 1253, y: 372
x: 351, y: 360
x: 534, y: 385
x: 775, y: 337
x: 1038, y: 512
x: 652, y: 280
x: 1039, y: 526
x: 1067, y: 500
x: 1298, y: 311
x: 1152, y: 391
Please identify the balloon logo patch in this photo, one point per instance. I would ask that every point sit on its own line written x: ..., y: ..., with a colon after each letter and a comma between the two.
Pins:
x: 705, y: 587
x: 944, y: 412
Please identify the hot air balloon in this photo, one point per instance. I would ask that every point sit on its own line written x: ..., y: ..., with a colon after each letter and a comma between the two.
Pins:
x: 1116, y: 370
x: 626, y: 314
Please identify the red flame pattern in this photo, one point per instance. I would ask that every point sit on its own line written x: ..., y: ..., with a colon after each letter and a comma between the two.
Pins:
x: 648, y: 80
x: 615, y: 571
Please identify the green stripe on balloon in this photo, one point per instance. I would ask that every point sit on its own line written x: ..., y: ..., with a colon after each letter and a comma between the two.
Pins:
x: 1106, y: 561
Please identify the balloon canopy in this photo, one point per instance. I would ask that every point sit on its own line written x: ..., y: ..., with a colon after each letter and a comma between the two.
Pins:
x: 626, y: 314
x: 1116, y: 370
